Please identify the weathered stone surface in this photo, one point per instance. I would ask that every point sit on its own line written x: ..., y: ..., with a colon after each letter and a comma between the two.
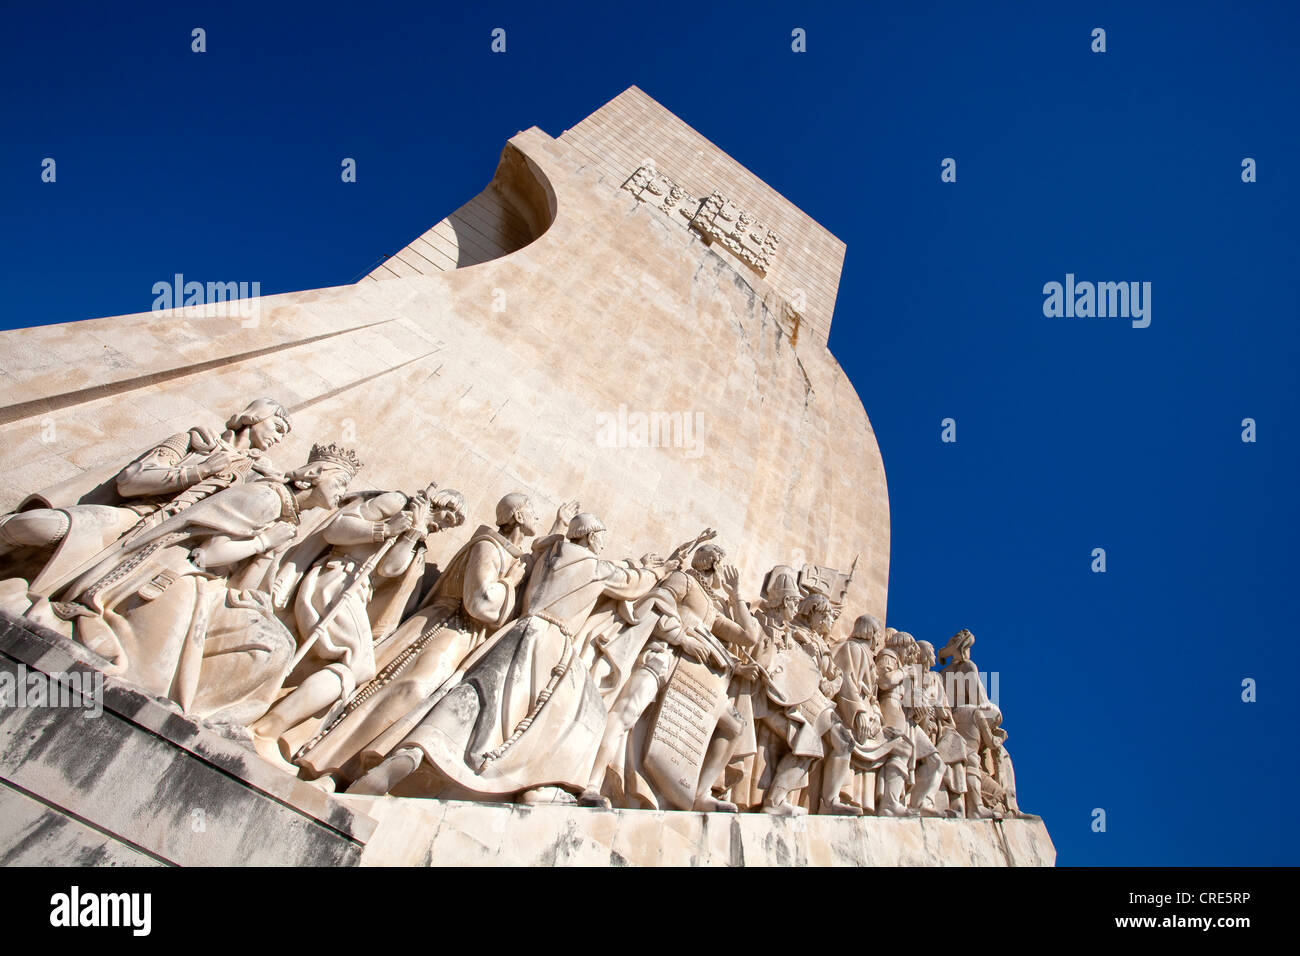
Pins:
x: 451, y: 833
x: 38, y: 835
x: 125, y: 786
x: 122, y: 788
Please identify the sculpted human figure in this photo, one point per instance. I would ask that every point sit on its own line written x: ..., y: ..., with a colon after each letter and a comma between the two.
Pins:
x: 197, y: 464
x: 921, y: 766
x: 56, y: 533
x: 738, y: 783
x: 927, y: 707
x: 977, y: 719
x: 375, y: 538
x: 780, y: 603
x: 697, y: 632
x: 723, y: 586
x: 855, y: 658
x: 161, y: 610
x: 810, y: 724
x: 774, y: 613
x: 475, y: 595
x: 860, y: 709
x: 522, y: 712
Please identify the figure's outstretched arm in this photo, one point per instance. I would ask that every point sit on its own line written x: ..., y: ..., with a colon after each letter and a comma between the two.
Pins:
x: 221, y: 550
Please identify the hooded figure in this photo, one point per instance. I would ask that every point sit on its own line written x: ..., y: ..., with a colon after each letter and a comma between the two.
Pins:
x: 522, y: 712
x: 475, y: 595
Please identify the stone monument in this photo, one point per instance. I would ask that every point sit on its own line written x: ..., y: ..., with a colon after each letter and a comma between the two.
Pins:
x: 271, y: 635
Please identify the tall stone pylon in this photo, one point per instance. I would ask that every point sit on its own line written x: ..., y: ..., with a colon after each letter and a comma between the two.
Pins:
x: 625, y: 316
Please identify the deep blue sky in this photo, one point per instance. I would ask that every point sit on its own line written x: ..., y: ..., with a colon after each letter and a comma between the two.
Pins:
x: 1121, y: 690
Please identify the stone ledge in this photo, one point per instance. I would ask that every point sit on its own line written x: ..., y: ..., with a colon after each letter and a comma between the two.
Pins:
x: 125, y: 785
x: 451, y: 833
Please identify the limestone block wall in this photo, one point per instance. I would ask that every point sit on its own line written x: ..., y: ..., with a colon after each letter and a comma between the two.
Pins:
x: 524, y: 372
x: 482, y: 229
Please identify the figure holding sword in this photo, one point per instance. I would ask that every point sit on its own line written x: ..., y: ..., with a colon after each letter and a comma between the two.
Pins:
x: 377, y: 544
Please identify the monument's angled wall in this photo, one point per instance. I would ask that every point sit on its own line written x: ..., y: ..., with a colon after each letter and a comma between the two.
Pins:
x: 523, y: 372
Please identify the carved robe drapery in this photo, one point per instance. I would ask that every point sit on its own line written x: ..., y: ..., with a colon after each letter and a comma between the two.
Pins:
x: 104, y: 505
x: 526, y: 712
x: 858, y: 695
x: 419, y: 657
x: 179, y: 630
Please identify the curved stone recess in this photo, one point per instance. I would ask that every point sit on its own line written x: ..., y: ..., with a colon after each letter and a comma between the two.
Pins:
x: 496, y: 378
x: 516, y: 207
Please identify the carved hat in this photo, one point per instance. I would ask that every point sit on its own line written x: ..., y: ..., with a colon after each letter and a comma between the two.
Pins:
x: 900, y: 639
x: 335, y: 455
x: 582, y: 525
x: 813, y: 603
x: 961, y: 641
x: 508, y: 505
x: 781, y: 582
x: 865, y: 622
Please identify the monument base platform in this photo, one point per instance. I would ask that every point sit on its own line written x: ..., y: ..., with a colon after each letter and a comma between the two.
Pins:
x: 129, y: 781
x: 451, y: 833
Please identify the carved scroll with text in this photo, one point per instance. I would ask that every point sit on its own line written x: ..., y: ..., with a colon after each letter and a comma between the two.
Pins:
x: 683, y: 727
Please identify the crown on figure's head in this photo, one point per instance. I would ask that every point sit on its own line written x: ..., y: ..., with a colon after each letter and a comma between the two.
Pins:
x: 336, y: 455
